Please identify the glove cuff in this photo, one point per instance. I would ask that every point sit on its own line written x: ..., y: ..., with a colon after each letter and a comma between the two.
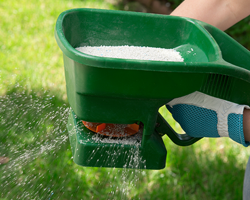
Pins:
x: 235, y: 128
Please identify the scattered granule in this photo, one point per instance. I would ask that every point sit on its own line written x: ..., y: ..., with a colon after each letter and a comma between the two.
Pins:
x: 132, y: 140
x: 133, y: 52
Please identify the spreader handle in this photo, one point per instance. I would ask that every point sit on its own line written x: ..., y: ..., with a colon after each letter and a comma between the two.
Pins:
x: 162, y: 127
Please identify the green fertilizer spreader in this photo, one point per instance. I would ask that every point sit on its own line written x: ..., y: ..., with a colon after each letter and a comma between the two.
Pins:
x: 124, y: 91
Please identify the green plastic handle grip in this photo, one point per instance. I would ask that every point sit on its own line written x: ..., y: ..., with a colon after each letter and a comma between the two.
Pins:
x: 162, y: 127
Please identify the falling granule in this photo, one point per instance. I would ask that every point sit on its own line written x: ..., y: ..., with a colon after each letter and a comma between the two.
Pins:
x: 133, y: 52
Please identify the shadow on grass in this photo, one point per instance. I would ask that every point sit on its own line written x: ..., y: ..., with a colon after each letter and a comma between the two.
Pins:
x: 195, y: 174
x: 33, y: 135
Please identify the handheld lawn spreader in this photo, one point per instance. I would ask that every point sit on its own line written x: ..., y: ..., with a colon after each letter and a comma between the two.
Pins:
x: 107, y: 94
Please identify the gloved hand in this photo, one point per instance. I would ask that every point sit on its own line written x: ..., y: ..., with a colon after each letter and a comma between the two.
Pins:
x: 201, y: 115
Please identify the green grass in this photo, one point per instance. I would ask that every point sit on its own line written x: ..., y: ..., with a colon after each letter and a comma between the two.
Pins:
x: 29, y: 53
x: 33, y: 113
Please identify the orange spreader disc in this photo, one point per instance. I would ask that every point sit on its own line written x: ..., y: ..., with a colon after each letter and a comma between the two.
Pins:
x: 112, y: 130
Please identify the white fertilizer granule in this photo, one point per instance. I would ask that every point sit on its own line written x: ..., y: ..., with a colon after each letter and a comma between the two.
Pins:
x: 133, y: 52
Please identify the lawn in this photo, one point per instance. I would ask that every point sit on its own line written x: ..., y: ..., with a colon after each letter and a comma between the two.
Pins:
x: 33, y: 117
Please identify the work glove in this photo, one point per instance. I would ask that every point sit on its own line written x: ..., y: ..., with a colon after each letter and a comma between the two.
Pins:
x: 201, y: 115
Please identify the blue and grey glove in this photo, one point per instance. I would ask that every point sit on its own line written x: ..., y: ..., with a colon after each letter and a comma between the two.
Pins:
x: 201, y: 115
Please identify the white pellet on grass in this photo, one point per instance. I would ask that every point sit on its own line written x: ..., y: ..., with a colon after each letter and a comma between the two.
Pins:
x: 133, y: 52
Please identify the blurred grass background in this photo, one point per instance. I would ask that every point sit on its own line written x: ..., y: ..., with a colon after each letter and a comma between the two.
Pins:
x: 32, y: 76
